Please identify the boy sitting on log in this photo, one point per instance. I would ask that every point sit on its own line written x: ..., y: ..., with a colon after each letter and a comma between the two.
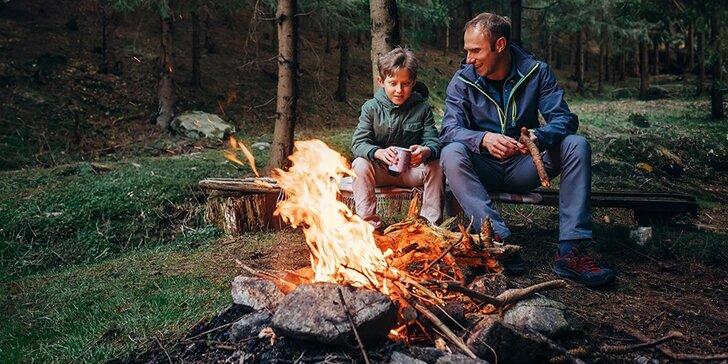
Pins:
x: 396, y: 125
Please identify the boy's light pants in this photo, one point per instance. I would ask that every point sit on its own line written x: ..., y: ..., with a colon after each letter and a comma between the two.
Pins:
x: 370, y: 175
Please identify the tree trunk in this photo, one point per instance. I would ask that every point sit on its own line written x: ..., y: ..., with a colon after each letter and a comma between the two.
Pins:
x: 602, y: 55
x: 327, y: 44
x: 165, y: 94
x: 340, y: 94
x: 644, y: 68
x: 195, y: 17
x: 385, y: 32
x: 447, y: 39
x: 104, y: 40
x: 287, y: 94
x: 516, y: 9
x: 716, y: 97
x: 701, y: 63
x: 666, y: 61
x: 636, y: 64
x: 689, y: 46
x: 550, y: 48
x: 580, y: 62
x: 608, y: 67
x: 656, y: 68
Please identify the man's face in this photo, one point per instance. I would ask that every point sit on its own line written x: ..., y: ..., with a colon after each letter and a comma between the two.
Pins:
x: 397, y: 86
x: 481, y: 53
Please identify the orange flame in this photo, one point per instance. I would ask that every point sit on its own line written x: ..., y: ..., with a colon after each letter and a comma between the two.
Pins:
x: 342, y: 245
x: 249, y: 156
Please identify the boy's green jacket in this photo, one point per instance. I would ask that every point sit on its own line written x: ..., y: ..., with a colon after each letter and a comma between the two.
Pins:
x: 383, y: 124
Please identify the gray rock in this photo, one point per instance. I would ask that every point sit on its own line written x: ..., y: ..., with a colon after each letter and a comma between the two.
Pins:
x: 489, y: 284
x: 511, y: 344
x: 251, y: 324
x: 256, y: 293
x: 198, y: 124
x: 400, y: 358
x: 313, y: 312
x: 260, y: 145
x: 544, y: 315
x: 459, y: 359
x: 428, y: 354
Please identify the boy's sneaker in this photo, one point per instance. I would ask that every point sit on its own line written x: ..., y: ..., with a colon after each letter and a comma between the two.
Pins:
x: 579, y: 266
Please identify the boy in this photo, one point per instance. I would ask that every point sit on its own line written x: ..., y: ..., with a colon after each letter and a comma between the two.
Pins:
x: 397, y: 116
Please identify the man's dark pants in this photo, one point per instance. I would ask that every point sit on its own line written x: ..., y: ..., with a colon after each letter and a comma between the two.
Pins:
x: 471, y: 175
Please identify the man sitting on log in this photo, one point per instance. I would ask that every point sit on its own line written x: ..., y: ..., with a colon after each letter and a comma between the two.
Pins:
x: 497, y: 92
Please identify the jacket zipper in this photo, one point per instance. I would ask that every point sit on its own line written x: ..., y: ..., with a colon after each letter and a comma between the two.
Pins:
x: 502, y: 116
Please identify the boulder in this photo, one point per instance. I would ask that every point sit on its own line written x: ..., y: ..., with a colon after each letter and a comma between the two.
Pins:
x: 313, y: 312
x: 256, y: 293
x: 544, y: 315
x: 198, y: 124
x: 459, y: 359
x: 251, y: 324
x: 511, y: 344
x: 401, y: 358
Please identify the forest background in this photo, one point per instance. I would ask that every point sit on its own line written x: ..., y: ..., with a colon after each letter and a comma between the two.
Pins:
x: 104, y: 251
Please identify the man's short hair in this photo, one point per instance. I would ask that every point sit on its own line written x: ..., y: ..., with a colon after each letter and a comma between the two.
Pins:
x: 395, y: 60
x: 491, y: 25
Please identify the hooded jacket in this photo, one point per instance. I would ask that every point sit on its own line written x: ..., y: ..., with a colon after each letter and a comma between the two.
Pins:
x: 383, y: 124
x: 470, y: 112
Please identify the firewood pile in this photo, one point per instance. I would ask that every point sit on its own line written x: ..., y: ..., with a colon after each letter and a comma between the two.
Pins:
x: 426, y: 284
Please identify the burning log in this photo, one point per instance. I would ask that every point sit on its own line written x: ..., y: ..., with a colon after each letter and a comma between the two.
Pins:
x: 525, y: 139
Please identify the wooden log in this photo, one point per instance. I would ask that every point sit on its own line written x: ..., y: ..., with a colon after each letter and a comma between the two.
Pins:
x: 236, y: 214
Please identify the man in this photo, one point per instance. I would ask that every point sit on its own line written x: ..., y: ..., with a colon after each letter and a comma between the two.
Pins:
x: 500, y: 89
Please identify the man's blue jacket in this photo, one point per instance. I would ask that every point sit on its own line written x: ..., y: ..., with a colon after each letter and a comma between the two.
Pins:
x: 470, y: 111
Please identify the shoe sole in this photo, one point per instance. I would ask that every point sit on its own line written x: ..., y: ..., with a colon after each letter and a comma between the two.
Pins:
x: 575, y: 277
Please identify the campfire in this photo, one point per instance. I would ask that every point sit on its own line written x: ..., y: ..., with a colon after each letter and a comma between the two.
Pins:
x: 417, y: 273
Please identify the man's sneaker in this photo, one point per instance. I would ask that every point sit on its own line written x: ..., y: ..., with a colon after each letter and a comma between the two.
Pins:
x: 513, y: 264
x: 580, y: 267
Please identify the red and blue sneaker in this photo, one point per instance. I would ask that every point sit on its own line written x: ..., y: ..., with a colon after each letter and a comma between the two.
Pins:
x: 579, y: 266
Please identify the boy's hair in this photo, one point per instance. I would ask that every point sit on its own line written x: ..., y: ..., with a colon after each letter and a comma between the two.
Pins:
x: 395, y: 60
x: 491, y: 25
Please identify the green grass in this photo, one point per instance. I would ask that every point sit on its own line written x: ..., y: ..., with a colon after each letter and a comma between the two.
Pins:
x: 95, y: 312
x: 71, y: 213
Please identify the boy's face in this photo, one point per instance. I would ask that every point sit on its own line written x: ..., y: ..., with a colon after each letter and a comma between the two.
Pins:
x: 397, y: 86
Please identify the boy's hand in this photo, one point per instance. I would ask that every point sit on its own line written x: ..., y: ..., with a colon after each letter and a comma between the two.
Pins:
x: 387, y: 155
x: 419, y: 154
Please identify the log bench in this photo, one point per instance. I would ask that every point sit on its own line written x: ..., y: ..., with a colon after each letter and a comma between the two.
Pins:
x: 239, y: 205
x: 650, y: 208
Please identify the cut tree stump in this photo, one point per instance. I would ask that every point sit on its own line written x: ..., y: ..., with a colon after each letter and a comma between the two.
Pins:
x: 242, y: 205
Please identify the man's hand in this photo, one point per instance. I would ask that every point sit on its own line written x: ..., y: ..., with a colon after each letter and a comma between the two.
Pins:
x: 419, y: 154
x: 500, y: 146
x: 387, y: 155
x: 523, y: 149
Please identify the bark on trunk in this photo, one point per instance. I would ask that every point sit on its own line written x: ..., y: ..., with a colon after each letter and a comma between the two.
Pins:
x: 550, y: 44
x: 287, y: 94
x: 622, y: 66
x: 716, y: 97
x: 340, y: 94
x: 447, y: 39
x: 516, y: 9
x: 165, y: 94
x: 644, y: 68
x: 580, y: 62
x: 608, y: 66
x: 385, y: 32
x: 701, y: 63
x: 656, y: 68
x: 600, y: 77
x: 196, y: 73
x: 689, y: 46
